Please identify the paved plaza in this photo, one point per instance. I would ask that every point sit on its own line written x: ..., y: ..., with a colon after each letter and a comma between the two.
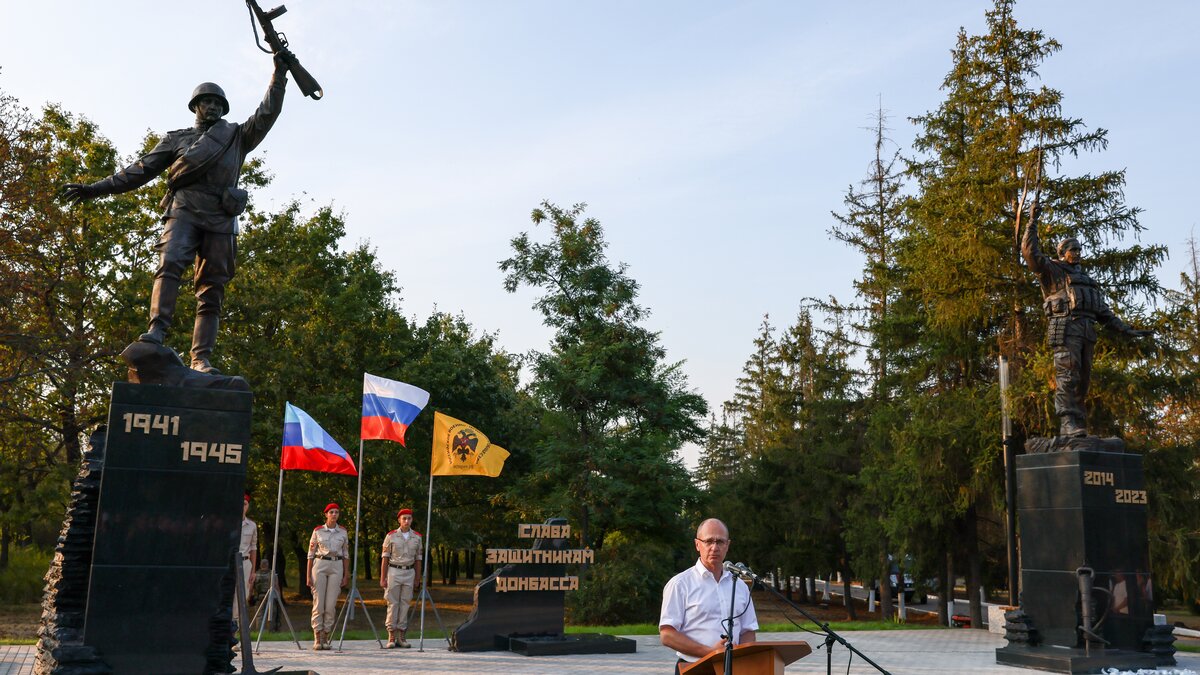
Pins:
x: 901, y: 652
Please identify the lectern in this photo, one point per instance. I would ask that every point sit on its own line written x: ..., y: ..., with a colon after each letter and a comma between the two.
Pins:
x: 758, y: 658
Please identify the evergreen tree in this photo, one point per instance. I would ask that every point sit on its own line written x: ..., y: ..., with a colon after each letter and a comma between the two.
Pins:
x: 988, y: 149
x: 871, y: 225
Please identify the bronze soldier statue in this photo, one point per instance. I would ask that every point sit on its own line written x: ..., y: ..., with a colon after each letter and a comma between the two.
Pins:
x: 1073, y: 303
x: 201, y: 207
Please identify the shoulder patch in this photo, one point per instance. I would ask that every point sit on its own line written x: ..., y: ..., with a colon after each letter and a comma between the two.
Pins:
x: 390, y: 533
x: 317, y: 528
x: 416, y: 533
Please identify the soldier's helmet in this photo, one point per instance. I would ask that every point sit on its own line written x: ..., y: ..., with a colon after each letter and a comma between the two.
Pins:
x: 208, y: 89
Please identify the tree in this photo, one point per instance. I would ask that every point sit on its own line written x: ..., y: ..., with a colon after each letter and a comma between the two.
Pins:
x: 616, y: 411
x: 995, y: 138
x: 70, y: 278
x: 1172, y: 459
x: 872, y: 225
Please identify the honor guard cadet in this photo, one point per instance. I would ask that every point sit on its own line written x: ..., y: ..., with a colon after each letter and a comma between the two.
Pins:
x: 399, y: 574
x: 248, y: 548
x: 327, y: 573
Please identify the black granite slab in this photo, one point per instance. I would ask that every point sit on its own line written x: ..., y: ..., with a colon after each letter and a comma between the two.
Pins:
x: 167, y: 528
x: 576, y: 643
x: 1085, y: 509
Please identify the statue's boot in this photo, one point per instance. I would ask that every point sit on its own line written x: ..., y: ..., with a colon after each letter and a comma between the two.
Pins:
x: 162, y: 310
x: 1071, y: 426
x: 204, y: 338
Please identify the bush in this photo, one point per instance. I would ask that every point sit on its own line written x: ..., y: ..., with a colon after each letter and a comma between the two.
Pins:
x: 22, y: 581
x: 624, y: 586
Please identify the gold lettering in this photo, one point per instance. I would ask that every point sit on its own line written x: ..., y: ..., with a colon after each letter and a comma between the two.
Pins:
x: 523, y: 531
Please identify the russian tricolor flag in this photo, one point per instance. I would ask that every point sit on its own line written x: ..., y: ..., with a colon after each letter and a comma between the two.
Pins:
x: 389, y: 407
x: 307, y: 447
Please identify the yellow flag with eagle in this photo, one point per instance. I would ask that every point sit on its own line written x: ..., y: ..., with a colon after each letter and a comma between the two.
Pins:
x: 460, y: 449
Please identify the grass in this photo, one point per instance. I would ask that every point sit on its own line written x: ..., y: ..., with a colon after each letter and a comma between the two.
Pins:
x: 23, y: 579
x: 1187, y: 648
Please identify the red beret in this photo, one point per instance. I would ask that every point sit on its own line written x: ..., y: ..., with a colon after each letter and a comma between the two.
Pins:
x: 247, y: 497
x: 331, y: 505
x: 403, y: 512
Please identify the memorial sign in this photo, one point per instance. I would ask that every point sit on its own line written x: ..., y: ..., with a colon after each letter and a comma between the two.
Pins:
x: 521, y: 606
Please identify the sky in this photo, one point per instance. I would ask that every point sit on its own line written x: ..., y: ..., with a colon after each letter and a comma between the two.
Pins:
x: 711, y: 139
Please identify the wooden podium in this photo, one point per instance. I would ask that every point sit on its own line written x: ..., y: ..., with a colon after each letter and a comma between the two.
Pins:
x: 757, y: 658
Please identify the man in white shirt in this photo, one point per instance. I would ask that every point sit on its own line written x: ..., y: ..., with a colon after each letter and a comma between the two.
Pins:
x: 696, y: 601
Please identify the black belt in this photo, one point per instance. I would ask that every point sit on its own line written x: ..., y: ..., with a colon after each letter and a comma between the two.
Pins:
x: 245, y: 557
x: 402, y: 567
x: 330, y: 557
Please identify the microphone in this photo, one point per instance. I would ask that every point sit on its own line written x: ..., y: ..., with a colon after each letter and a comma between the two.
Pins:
x: 739, y: 570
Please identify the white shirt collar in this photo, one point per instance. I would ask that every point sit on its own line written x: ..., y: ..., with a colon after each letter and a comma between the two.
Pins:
x: 702, y: 571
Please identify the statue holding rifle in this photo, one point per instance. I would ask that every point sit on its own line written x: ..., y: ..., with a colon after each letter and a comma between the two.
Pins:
x: 1074, y: 303
x: 200, y: 210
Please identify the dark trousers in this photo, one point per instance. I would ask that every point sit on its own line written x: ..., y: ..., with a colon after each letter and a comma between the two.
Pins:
x: 1072, y: 377
x: 181, y: 244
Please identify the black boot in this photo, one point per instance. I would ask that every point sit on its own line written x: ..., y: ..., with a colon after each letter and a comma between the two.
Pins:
x: 204, y: 338
x: 1071, y: 427
x: 162, y: 310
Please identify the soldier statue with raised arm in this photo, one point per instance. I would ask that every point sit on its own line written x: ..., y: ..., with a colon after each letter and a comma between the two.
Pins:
x: 200, y: 210
x: 1074, y: 303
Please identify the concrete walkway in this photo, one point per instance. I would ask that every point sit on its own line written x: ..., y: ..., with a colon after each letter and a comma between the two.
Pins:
x: 901, y: 652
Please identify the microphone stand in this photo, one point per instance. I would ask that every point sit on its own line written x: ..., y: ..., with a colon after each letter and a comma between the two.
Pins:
x: 729, y: 638
x: 830, y: 636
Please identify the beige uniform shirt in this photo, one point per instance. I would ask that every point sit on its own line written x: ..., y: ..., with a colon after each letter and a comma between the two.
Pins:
x: 249, y: 537
x: 327, y: 542
x: 401, y: 550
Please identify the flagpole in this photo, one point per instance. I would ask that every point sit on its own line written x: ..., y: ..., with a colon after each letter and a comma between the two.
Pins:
x: 273, y: 588
x: 357, y: 518
x: 425, y: 567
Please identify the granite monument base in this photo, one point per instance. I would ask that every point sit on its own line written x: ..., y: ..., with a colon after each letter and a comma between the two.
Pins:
x: 1085, y: 560
x: 1073, y: 660
x: 576, y: 643
x: 168, y: 521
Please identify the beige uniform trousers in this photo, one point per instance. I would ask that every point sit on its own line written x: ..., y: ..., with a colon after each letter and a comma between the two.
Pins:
x: 399, y: 597
x: 327, y: 577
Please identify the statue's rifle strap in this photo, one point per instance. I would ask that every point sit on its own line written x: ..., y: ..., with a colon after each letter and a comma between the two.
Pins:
x: 186, y: 178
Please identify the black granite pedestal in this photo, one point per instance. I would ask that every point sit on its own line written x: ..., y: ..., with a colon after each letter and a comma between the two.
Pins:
x: 167, y: 527
x: 1082, y: 509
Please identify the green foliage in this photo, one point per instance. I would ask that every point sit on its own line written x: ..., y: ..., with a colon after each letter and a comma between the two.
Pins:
x: 615, y: 412
x: 69, y: 278
x: 625, y: 584
x: 22, y: 581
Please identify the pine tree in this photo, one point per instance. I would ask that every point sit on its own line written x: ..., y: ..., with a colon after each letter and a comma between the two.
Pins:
x: 995, y: 141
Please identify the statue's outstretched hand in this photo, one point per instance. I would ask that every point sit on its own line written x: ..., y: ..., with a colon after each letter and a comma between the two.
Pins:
x: 76, y: 192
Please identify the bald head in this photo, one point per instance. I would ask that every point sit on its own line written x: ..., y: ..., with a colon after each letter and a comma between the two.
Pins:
x: 712, y: 542
x: 706, y: 529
